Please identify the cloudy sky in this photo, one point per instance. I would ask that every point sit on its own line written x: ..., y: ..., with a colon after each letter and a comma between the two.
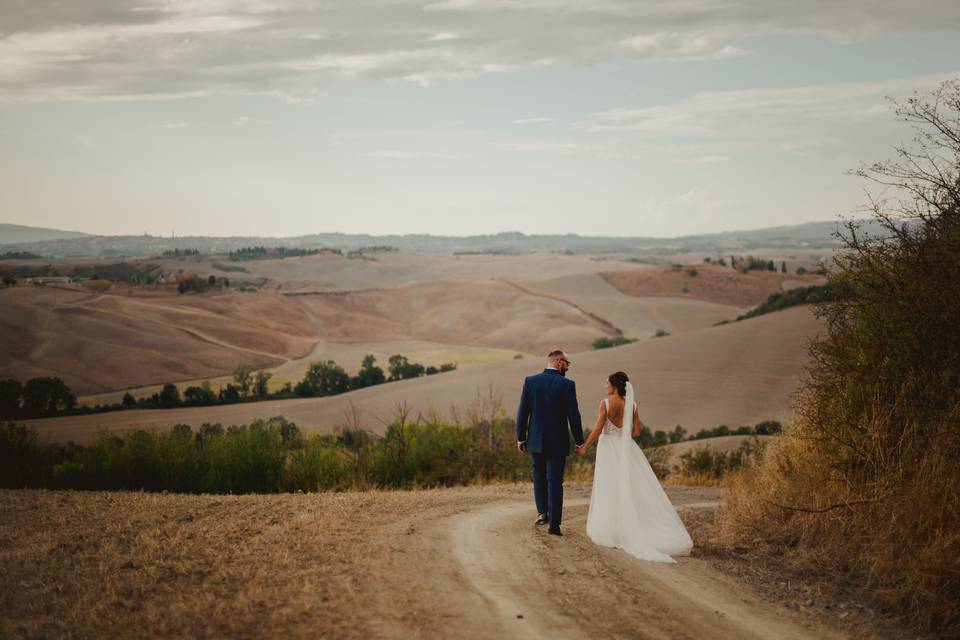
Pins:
x: 284, y: 117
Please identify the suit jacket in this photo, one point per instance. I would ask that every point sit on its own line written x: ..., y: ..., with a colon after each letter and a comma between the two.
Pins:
x: 547, y: 404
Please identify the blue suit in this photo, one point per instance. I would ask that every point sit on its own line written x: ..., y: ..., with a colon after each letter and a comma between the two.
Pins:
x: 548, y: 404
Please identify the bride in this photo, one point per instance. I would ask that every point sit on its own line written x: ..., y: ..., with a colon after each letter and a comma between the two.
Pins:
x: 628, y: 507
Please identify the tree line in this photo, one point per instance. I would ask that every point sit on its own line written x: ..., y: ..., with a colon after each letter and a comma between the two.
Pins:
x: 48, y: 397
x: 269, y: 456
x: 649, y: 438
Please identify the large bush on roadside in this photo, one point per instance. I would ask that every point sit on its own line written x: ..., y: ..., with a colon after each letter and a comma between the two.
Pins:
x: 866, y: 481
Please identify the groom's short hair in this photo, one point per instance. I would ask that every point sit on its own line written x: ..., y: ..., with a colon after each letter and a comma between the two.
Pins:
x: 556, y: 353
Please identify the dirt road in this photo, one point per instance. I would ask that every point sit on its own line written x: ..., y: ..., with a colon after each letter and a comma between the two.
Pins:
x: 492, y: 574
x: 461, y: 563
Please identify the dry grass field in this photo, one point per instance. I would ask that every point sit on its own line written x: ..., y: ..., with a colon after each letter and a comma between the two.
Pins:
x: 479, y: 311
x: 103, y: 337
x: 424, y: 564
x: 713, y: 283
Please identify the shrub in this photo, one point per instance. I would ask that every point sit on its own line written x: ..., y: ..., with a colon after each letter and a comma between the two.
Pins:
x: 320, y: 464
x: 865, y: 481
x: 616, y: 341
x: 21, y: 457
x: 814, y: 294
x: 659, y: 459
x: 706, y: 461
x: 169, y: 396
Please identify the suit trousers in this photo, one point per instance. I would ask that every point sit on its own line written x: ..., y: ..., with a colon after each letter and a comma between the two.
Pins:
x: 548, y: 484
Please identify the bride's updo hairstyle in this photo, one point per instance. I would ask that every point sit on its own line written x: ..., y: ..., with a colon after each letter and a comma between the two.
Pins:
x: 619, y: 381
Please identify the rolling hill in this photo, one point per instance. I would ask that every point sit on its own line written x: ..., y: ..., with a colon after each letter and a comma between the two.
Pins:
x: 812, y: 235
x: 17, y: 233
x: 740, y: 373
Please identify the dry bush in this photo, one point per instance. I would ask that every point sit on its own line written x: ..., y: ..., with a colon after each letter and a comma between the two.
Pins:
x: 866, y: 480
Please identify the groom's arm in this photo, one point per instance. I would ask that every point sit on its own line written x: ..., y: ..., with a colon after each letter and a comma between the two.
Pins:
x: 523, y: 415
x: 573, y: 414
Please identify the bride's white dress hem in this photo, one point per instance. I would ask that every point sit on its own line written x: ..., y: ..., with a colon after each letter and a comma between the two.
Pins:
x: 629, y: 509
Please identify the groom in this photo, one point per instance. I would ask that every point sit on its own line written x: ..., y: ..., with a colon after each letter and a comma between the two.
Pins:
x: 548, y: 402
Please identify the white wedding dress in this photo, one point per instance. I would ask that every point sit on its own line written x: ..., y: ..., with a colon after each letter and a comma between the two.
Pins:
x: 628, y: 508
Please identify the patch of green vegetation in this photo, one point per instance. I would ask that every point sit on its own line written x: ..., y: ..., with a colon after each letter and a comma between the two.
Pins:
x: 815, y: 294
x: 616, y: 341
x: 220, y: 266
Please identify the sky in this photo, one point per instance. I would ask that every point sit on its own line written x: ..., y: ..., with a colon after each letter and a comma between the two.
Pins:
x: 454, y: 117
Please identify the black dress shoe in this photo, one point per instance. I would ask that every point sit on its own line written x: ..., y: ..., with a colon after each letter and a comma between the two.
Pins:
x: 543, y: 519
x: 554, y: 531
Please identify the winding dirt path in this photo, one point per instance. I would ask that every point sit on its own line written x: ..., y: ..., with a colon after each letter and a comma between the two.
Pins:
x: 492, y: 574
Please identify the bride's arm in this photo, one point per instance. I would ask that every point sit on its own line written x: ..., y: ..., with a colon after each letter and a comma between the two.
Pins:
x: 597, y: 428
x: 637, y: 425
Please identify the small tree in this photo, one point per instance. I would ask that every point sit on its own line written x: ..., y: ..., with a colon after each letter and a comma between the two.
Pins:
x: 229, y: 393
x: 323, y: 379
x: 169, y: 396
x: 47, y: 397
x: 370, y: 374
x: 678, y: 434
x: 243, y: 376
x: 260, y: 384
x: 11, y: 395
x: 768, y: 427
x: 129, y: 400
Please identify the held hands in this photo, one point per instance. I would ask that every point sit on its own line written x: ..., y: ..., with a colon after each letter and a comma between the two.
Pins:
x: 581, y: 449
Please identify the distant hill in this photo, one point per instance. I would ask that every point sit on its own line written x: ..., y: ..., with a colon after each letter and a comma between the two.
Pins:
x: 813, y: 235
x: 18, y: 233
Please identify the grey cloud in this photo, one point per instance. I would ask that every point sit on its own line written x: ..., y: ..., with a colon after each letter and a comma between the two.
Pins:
x: 782, y: 114
x: 106, y: 49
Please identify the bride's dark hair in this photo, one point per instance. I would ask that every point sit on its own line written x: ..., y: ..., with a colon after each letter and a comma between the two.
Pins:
x: 619, y: 381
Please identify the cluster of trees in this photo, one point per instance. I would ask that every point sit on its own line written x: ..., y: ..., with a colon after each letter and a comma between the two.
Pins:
x: 380, y: 248
x: 658, y: 438
x: 323, y: 378
x: 176, y: 253
x: 19, y: 255
x: 264, y: 253
x: 329, y: 378
x: 231, y: 268
x: 616, y: 341
x: 133, y: 272
x: 37, y: 398
x: 814, y: 294
x: 46, y: 397
x: 751, y: 263
x: 201, y: 285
